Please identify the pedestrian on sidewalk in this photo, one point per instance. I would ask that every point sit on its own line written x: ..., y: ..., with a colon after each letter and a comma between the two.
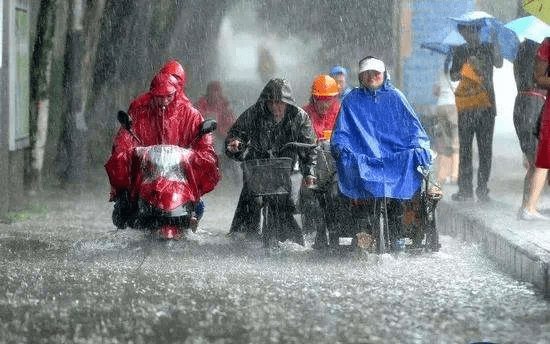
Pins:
x: 475, y: 101
x: 542, y: 158
x: 527, y: 109
x: 446, y: 140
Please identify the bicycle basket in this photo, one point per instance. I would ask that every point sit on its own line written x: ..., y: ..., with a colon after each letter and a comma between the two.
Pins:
x: 268, y: 176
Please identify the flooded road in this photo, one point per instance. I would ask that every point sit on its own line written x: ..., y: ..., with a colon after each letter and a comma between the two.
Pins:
x: 68, y: 276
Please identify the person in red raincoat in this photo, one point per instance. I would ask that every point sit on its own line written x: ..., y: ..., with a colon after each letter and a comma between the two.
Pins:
x: 215, y: 105
x: 164, y: 115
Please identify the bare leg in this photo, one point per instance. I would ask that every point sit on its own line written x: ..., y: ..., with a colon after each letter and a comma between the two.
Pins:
x: 537, y: 184
x: 443, y: 168
x: 530, y: 166
x: 454, y: 167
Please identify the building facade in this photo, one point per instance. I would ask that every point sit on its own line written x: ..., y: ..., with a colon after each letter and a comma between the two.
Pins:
x: 14, y: 98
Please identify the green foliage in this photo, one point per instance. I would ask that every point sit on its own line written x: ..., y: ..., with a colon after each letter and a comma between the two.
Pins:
x: 34, y: 209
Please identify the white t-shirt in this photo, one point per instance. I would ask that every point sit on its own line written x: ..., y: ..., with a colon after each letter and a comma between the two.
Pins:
x: 446, y: 90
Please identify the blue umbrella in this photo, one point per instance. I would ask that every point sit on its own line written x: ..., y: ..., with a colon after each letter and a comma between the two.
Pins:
x: 445, y: 46
x: 530, y: 27
x: 507, y: 39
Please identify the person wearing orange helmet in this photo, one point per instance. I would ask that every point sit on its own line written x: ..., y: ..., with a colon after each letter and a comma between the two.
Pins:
x: 322, y: 109
x: 323, y: 106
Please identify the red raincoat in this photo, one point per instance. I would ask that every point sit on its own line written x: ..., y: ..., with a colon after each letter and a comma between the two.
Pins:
x: 215, y: 105
x: 322, y: 122
x: 178, y: 124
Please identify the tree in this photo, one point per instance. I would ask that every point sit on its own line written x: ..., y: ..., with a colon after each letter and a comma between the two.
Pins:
x: 40, y: 85
x: 82, y: 39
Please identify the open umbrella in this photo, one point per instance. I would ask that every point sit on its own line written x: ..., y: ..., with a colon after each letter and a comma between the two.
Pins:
x: 492, y: 28
x: 445, y: 46
x: 530, y: 27
x: 507, y: 39
x: 538, y: 8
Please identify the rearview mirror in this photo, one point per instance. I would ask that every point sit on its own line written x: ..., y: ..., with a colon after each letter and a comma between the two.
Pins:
x: 124, y: 119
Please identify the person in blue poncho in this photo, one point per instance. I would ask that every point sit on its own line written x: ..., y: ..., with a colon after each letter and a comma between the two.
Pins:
x: 379, y: 143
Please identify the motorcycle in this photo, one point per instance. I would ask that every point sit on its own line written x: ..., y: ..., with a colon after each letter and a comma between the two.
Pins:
x: 159, y: 199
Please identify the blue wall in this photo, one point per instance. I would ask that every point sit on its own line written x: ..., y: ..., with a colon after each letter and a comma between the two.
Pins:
x: 430, y: 22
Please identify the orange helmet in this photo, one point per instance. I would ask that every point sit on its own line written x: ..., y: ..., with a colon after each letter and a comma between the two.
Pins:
x: 324, y: 86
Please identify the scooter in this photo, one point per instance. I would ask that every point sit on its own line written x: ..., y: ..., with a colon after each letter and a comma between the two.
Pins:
x: 159, y: 199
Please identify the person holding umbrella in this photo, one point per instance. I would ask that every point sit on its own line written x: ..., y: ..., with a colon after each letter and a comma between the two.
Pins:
x: 472, y: 65
x: 527, y: 108
x: 542, y: 158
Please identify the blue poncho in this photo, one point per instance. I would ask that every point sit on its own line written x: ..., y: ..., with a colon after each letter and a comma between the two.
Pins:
x: 378, y: 142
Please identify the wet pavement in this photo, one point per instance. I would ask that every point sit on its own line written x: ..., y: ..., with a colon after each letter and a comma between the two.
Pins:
x: 69, y: 277
x: 518, y: 246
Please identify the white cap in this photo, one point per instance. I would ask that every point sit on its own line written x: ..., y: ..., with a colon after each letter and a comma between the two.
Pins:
x: 371, y: 63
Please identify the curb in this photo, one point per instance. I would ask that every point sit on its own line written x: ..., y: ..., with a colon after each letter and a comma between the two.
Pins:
x: 500, y: 240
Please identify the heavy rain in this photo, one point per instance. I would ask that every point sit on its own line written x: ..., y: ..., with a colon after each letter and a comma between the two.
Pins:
x: 69, y: 275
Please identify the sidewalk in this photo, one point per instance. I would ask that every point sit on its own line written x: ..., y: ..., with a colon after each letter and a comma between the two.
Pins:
x: 522, y: 248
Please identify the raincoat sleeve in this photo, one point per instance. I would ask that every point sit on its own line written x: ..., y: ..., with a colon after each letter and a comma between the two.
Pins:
x: 203, y: 161
x: 308, y: 157
x: 239, y: 131
x: 118, y: 166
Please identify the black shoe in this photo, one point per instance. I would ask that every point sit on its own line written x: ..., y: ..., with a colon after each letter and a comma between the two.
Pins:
x: 119, y: 220
x: 462, y: 197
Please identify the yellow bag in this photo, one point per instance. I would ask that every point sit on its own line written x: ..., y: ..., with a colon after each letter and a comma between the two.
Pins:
x: 470, y: 93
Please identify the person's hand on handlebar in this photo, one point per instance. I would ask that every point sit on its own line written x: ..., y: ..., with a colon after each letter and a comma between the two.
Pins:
x: 234, y: 146
x: 309, y: 181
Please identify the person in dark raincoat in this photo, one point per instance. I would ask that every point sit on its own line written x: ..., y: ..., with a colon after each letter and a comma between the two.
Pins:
x: 270, y: 123
x: 378, y: 143
x: 163, y: 115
